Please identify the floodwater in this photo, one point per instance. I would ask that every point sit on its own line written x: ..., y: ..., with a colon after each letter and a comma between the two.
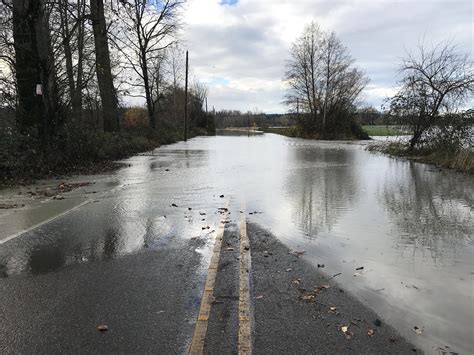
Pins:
x: 410, y: 226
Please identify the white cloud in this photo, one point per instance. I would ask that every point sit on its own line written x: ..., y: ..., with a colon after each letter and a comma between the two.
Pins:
x: 240, y: 50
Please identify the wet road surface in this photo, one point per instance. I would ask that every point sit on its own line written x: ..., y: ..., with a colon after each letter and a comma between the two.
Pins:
x: 409, y: 225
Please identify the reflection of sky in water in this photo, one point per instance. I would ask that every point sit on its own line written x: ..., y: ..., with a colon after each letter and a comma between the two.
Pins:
x: 409, y: 225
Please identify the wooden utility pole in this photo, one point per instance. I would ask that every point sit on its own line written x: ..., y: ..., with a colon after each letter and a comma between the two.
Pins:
x: 186, y: 100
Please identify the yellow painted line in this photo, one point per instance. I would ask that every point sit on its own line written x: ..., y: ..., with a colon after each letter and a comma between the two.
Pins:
x: 197, y: 344
x: 245, y: 323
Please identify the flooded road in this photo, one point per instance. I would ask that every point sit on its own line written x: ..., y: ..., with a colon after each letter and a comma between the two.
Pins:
x: 410, y: 226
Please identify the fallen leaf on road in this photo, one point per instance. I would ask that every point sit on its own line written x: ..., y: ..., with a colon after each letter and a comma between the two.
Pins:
x: 360, y: 268
x: 221, y: 196
x: 347, y: 333
x: 320, y: 265
x: 102, y: 328
x: 174, y: 205
x: 370, y: 332
x: 308, y: 297
x: 296, y: 281
x: 417, y: 330
x: 319, y: 288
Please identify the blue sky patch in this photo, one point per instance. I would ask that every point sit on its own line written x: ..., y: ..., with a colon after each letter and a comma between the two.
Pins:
x: 228, y: 2
x: 217, y: 80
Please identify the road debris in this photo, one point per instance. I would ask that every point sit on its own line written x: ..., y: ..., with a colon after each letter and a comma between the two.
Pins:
x: 417, y: 330
x: 102, y: 328
x: 360, y: 268
x: 4, y: 206
x: 308, y: 296
x: 322, y: 287
x: 370, y: 332
x: 347, y: 333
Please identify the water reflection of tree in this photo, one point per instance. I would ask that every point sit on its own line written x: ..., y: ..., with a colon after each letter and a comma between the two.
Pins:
x: 321, y: 188
x: 432, y: 211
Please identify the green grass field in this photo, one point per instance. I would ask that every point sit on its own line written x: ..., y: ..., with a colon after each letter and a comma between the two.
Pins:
x: 381, y: 130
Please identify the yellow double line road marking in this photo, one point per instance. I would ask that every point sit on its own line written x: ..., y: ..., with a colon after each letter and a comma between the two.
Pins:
x: 197, y: 345
x: 245, y: 321
x: 244, y: 342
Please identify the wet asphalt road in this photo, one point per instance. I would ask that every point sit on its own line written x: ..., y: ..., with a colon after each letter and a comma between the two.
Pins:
x: 148, y: 301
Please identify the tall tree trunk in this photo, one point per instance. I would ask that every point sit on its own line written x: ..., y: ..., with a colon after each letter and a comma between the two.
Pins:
x: 34, y: 68
x: 66, y: 39
x: 146, y: 82
x: 77, y: 94
x: 108, y: 95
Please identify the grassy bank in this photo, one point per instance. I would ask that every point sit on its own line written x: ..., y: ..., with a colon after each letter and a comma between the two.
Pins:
x: 24, y: 159
x: 284, y: 131
x: 459, y: 159
x: 381, y: 130
x: 352, y: 132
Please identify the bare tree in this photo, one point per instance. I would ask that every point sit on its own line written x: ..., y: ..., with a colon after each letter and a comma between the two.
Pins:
x: 175, y: 72
x: 322, y: 79
x: 148, y: 28
x: 435, y: 83
x: 302, y: 70
x: 8, y: 94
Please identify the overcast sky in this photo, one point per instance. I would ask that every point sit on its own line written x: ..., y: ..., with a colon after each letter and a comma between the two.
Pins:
x: 239, y: 47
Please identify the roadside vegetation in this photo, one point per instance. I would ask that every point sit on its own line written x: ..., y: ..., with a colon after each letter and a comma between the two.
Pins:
x: 68, y: 70
x: 437, y: 84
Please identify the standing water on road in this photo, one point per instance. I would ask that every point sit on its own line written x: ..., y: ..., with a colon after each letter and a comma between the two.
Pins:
x: 408, y: 225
